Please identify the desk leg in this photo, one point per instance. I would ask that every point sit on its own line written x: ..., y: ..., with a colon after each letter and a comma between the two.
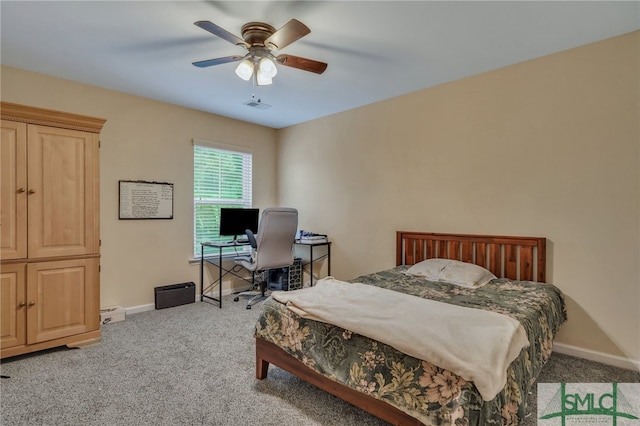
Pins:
x: 311, y: 265
x: 220, y: 278
x: 312, y: 260
x: 201, y: 273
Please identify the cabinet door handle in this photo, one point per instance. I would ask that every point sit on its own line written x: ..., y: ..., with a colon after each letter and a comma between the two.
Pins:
x: 31, y: 303
x: 20, y: 190
x: 31, y: 191
x: 21, y: 305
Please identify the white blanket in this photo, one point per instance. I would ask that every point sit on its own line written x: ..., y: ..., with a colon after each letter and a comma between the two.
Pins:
x: 475, y: 344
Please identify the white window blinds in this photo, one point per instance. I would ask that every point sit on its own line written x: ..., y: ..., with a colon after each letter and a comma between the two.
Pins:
x: 221, y: 178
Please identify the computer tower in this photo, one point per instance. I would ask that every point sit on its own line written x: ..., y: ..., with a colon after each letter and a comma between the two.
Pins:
x: 287, y: 278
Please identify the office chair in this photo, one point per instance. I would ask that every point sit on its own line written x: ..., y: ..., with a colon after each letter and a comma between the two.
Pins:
x: 271, y: 248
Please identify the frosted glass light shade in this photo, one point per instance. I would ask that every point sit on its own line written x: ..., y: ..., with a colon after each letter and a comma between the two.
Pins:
x: 268, y: 68
x: 262, y: 80
x: 245, y: 70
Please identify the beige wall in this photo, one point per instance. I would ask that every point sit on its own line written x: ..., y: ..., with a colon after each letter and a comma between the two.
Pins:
x: 549, y: 147
x: 146, y: 140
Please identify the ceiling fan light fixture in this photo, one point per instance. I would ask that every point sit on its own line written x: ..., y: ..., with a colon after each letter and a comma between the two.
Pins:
x: 262, y: 79
x: 260, y: 39
x: 268, y: 68
x: 245, y: 70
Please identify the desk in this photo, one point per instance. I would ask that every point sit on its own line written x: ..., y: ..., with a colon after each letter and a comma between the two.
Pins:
x: 312, y: 259
x: 216, y: 261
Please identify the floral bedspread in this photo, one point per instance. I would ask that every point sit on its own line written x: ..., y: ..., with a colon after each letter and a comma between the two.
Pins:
x: 424, y: 391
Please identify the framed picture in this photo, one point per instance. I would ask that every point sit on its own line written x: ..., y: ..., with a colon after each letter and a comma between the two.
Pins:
x: 145, y: 200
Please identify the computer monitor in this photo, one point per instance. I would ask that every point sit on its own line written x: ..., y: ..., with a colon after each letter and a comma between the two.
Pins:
x: 234, y: 221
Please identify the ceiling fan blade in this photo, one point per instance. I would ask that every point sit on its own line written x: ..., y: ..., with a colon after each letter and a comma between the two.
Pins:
x: 217, y: 61
x: 221, y: 32
x: 302, y: 63
x: 290, y: 32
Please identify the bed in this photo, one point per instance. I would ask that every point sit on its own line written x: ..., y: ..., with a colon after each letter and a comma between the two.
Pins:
x: 404, y: 389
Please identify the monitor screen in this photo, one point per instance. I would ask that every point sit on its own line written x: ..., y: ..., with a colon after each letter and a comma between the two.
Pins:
x: 234, y: 221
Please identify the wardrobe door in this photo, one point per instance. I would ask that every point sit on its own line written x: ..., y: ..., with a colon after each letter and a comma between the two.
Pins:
x: 62, y: 192
x: 13, y: 308
x: 62, y: 299
x: 13, y: 194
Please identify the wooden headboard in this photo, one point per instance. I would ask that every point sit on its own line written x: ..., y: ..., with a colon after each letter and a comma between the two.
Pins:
x: 516, y: 258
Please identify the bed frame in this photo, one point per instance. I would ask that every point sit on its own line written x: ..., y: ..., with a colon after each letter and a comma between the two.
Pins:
x: 517, y: 258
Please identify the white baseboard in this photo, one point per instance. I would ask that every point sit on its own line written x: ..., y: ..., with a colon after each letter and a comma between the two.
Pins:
x: 140, y: 308
x: 616, y: 361
x: 150, y: 307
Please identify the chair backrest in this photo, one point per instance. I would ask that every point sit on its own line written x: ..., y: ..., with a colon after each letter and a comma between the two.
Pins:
x: 276, y: 235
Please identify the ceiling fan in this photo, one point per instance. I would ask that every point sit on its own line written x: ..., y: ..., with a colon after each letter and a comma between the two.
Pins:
x: 261, y: 40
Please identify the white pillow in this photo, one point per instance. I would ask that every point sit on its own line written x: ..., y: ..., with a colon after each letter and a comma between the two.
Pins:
x: 452, y: 271
x: 430, y: 269
x: 465, y: 274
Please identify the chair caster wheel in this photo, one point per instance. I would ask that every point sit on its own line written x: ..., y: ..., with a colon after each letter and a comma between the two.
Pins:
x: 248, y: 306
x: 235, y: 299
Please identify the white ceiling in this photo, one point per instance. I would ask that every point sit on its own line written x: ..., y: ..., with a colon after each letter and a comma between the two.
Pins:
x: 375, y: 50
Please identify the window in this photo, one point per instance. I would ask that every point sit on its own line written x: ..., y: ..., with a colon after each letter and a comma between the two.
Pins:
x: 221, y: 178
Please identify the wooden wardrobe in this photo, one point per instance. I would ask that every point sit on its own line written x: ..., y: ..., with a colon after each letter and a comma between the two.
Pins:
x: 49, y: 229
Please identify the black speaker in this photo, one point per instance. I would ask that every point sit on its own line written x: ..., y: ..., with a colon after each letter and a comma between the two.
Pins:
x: 169, y: 296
